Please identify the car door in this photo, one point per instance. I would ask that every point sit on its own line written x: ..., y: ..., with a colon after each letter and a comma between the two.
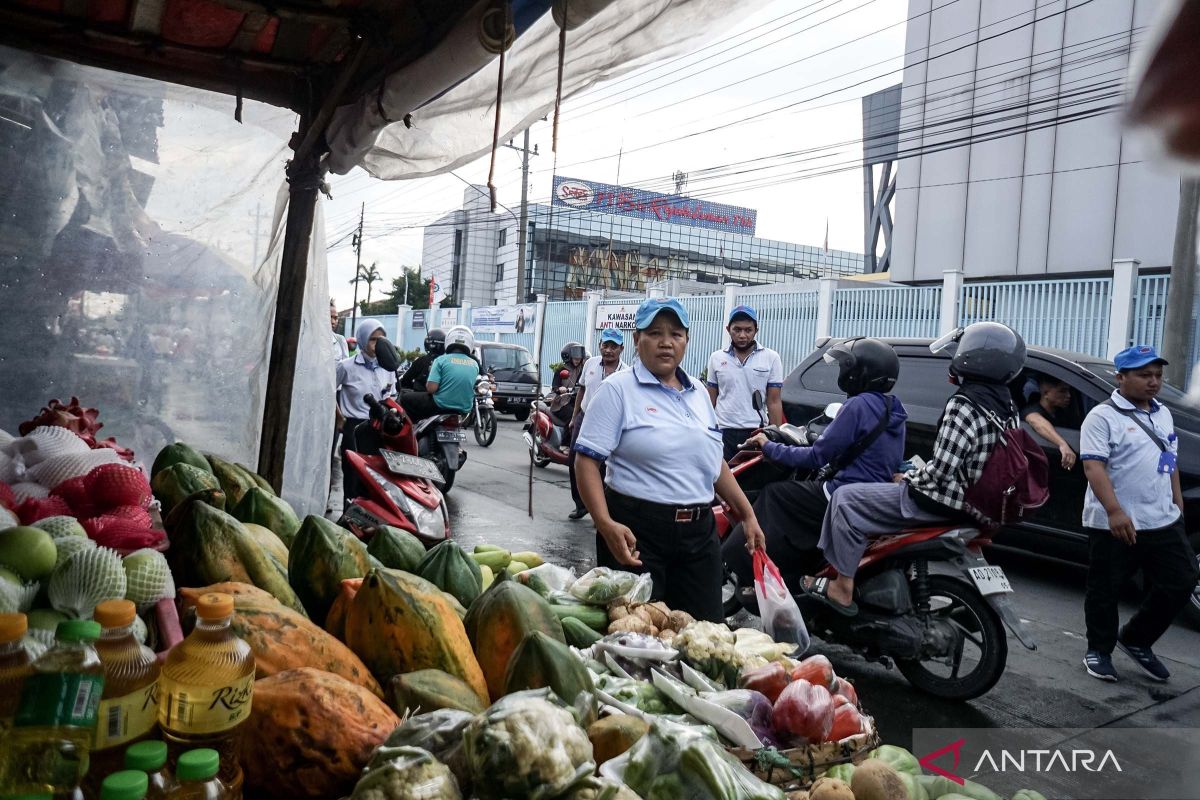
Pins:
x: 923, y: 387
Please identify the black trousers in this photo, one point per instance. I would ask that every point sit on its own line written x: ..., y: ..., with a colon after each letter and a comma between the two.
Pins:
x: 1169, y: 566
x: 790, y: 514
x: 350, y: 485
x: 683, y: 558
x: 732, y: 437
x: 420, y: 405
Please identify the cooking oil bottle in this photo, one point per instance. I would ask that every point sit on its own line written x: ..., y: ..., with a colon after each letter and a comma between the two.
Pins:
x: 205, y: 687
x: 124, y: 785
x: 48, y: 748
x: 129, y: 707
x: 15, y: 667
x: 196, y: 772
x: 150, y: 757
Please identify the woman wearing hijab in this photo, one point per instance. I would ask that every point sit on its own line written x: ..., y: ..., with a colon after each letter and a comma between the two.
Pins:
x: 655, y: 428
x: 986, y: 357
x: 358, y: 376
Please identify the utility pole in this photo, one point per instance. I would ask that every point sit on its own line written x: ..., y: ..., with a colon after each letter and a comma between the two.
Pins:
x: 1181, y: 293
x: 522, y: 234
x: 357, y: 242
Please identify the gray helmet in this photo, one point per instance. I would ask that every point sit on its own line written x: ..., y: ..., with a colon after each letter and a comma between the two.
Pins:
x: 983, y: 351
x: 572, y: 350
x: 864, y: 365
x: 435, y: 342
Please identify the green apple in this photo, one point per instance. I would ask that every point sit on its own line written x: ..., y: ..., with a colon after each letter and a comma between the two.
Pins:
x: 28, y: 551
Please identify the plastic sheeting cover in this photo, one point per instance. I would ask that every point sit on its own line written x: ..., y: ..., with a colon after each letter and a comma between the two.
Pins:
x: 140, y: 231
x: 456, y: 128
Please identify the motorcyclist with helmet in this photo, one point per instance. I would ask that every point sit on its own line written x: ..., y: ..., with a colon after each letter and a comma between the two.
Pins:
x: 863, y: 444
x: 450, y: 387
x: 417, y: 374
x: 565, y: 379
x: 986, y: 357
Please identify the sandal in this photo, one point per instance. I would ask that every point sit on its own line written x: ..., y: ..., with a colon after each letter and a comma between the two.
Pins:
x: 819, y: 590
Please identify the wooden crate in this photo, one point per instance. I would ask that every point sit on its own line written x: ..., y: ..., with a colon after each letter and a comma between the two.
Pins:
x: 798, y: 767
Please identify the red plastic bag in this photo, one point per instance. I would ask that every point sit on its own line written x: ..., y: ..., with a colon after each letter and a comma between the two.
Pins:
x: 780, y: 615
x: 803, y: 712
x: 770, y: 680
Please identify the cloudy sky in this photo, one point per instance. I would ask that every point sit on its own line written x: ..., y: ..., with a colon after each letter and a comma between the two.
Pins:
x: 764, y: 113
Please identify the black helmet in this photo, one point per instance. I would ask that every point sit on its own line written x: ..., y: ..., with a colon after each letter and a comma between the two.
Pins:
x: 435, y: 342
x: 983, y: 351
x: 572, y: 350
x: 864, y: 365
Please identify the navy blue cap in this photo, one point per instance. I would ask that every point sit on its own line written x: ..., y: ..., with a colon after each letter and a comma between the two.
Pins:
x: 744, y: 311
x: 612, y: 335
x: 649, y: 309
x: 1137, y: 356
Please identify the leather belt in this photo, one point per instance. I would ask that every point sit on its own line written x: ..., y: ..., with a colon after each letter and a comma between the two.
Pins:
x: 660, y: 511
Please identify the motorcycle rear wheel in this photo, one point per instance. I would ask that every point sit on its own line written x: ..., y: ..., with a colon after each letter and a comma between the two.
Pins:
x: 982, y: 630
x: 485, y: 427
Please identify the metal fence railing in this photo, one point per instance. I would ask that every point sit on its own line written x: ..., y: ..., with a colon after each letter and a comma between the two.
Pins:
x: 1150, y: 309
x: 787, y: 321
x: 1069, y: 314
x: 886, y: 311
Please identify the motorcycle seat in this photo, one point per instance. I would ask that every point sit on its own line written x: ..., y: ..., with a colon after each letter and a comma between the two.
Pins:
x: 426, y: 423
x: 793, y: 435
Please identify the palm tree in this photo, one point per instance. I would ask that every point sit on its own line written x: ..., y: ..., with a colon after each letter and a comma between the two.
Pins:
x: 371, y: 276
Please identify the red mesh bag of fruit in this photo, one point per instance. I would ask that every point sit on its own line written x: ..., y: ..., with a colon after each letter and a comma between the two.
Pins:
x: 112, y: 485
x: 74, y: 492
x: 6, y: 496
x: 36, y: 508
x: 121, y: 534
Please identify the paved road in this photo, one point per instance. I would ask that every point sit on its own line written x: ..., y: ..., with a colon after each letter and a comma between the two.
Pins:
x: 1046, y: 688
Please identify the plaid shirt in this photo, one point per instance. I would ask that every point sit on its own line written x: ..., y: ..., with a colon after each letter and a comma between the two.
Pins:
x: 964, y: 441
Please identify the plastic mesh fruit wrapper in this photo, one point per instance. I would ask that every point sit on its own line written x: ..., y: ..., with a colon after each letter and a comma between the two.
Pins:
x: 87, y: 578
x: 61, y: 526
x: 133, y: 514
x: 53, y: 471
x: 17, y: 596
x: 74, y: 491
x: 122, y: 534
x: 8, y: 519
x: 5, y: 437
x: 38, y: 508
x: 48, y: 441
x: 69, y: 546
x: 113, y: 485
x: 25, y: 490
x: 6, y: 496
x: 148, y: 577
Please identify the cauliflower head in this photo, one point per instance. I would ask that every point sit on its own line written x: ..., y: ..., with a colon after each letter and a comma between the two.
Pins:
x: 406, y: 773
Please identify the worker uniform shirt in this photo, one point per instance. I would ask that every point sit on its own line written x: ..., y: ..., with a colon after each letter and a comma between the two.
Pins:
x: 455, y: 375
x: 339, y: 347
x: 736, y: 381
x: 591, y: 376
x: 1131, y: 458
x: 356, y: 378
x: 660, y: 444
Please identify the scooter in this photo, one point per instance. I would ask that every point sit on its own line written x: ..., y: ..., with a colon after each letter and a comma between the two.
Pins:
x: 543, y: 435
x: 400, y: 486
x: 928, y: 601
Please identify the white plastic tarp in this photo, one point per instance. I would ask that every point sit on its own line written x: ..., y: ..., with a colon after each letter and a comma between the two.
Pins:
x: 456, y: 128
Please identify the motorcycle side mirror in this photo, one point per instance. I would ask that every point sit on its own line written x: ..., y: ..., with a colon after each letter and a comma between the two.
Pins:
x: 832, y: 410
x: 387, y: 355
x: 757, y: 399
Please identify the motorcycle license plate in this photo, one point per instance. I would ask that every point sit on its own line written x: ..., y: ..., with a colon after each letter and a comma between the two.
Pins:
x: 990, y: 580
x: 452, y: 436
x: 404, y: 464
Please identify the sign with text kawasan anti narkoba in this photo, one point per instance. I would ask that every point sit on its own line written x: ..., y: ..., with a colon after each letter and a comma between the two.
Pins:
x: 608, y: 199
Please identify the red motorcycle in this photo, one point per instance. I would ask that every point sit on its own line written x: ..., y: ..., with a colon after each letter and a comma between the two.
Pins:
x: 544, y: 435
x: 399, y: 485
x: 927, y: 598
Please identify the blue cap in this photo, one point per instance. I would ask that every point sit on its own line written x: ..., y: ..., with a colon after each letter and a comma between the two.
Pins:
x: 1137, y: 356
x: 649, y: 309
x: 744, y: 311
x: 612, y: 335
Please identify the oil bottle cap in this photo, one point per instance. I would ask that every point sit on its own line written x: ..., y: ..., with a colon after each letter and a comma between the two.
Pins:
x: 12, y: 627
x: 148, y: 756
x: 77, y: 630
x: 198, y: 765
x: 115, y: 613
x: 125, y: 785
x: 214, y: 605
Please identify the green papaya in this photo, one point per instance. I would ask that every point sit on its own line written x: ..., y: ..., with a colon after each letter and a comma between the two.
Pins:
x: 234, y: 483
x: 396, y: 548
x: 178, y: 453
x: 430, y: 689
x: 578, y: 634
x: 592, y: 616
x: 528, y: 558
x: 321, y: 557
x: 451, y: 570
x: 252, y: 476
x: 483, y: 548
x: 273, y: 513
x: 495, y: 560
x: 499, y: 620
x: 209, y: 546
x: 540, y: 661
x: 175, y: 483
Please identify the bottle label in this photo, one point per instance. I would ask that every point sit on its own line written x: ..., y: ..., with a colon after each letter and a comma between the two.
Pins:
x: 203, y: 709
x: 123, y: 719
x: 58, y: 698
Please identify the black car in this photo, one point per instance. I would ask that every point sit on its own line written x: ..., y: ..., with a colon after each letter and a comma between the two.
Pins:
x: 923, y: 386
x: 515, y: 375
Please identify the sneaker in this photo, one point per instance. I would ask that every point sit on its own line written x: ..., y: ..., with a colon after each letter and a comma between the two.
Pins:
x: 1099, y: 665
x: 1146, y: 659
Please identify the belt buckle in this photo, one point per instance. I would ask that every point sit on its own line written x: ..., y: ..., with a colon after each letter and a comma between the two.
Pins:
x: 685, y: 515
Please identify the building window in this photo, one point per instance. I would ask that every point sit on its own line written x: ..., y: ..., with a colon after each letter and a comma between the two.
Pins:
x: 499, y: 272
x: 502, y: 237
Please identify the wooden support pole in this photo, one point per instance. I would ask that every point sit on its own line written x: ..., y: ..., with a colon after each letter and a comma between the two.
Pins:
x: 304, y: 177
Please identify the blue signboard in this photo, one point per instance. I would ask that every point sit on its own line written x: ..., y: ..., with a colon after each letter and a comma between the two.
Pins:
x: 608, y: 199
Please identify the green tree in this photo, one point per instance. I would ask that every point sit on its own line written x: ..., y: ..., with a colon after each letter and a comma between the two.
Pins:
x: 418, y: 293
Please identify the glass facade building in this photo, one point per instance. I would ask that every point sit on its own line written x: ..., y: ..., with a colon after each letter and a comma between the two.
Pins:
x: 472, y: 253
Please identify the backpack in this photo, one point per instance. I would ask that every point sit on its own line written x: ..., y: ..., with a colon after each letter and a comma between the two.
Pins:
x: 1016, y: 477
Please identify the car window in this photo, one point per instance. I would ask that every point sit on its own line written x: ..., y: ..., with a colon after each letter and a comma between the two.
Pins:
x: 1027, y: 393
x: 506, y: 358
x: 923, y: 382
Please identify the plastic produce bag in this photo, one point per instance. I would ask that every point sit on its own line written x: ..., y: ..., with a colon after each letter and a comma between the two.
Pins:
x: 548, y: 579
x: 440, y: 733
x: 780, y: 614
x: 672, y: 762
x: 405, y: 773
x: 601, y: 585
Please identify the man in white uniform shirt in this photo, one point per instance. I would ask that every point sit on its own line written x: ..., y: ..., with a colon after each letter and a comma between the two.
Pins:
x: 736, y: 373
x: 594, y: 372
x: 340, y: 350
